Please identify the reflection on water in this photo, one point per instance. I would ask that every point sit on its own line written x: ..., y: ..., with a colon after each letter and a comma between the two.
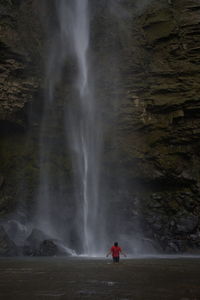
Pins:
x: 81, y: 278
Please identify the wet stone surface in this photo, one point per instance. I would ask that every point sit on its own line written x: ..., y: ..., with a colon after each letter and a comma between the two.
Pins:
x: 64, y: 278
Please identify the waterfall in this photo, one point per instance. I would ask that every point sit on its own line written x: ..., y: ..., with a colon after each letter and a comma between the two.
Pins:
x: 80, y: 131
x: 76, y: 204
x: 85, y: 134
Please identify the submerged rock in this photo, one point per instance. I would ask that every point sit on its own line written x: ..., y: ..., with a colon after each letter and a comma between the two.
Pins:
x: 33, y: 242
x: 7, y: 246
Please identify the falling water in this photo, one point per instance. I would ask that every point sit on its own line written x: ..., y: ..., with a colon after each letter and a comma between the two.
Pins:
x: 85, y: 136
x: 80, y: 124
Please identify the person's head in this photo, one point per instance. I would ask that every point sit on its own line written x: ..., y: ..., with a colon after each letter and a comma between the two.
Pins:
x: 115, y: 244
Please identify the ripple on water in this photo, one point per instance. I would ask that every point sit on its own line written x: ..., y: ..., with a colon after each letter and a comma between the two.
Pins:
x: 51, y: 294
x: 108, y: 283
x: 87, y: 292
x: 22, y: 270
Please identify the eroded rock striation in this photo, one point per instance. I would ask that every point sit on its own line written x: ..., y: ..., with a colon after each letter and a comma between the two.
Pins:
x: 159, y: 119
x: 20, y: 59
x: 21, y: 51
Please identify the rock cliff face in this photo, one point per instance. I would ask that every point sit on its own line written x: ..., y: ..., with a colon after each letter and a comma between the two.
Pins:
x: 150, y: 101
x: 21, y: 51
x: 20, y: 59
x: 155, y: 152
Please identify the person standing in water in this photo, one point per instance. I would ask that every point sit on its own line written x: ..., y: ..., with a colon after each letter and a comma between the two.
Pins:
x: 115, y: 250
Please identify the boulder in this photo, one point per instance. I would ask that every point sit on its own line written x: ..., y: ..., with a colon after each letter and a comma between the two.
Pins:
x: 187, y: 224
x: 172, y: 247
x: 48, y: 248
x: 7, y: 246
x: 33, y: 242
x: 40, y: 244
x: 36, y: 237
x: 28, y: 251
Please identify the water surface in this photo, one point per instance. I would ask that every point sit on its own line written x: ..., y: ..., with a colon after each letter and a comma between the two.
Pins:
x: 82, y: 278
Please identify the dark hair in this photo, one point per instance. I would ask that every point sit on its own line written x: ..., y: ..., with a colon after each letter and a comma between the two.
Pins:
x: 115, y: 244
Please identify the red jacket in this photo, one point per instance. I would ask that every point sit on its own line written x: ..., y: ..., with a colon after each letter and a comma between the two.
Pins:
x: 115, y: 251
